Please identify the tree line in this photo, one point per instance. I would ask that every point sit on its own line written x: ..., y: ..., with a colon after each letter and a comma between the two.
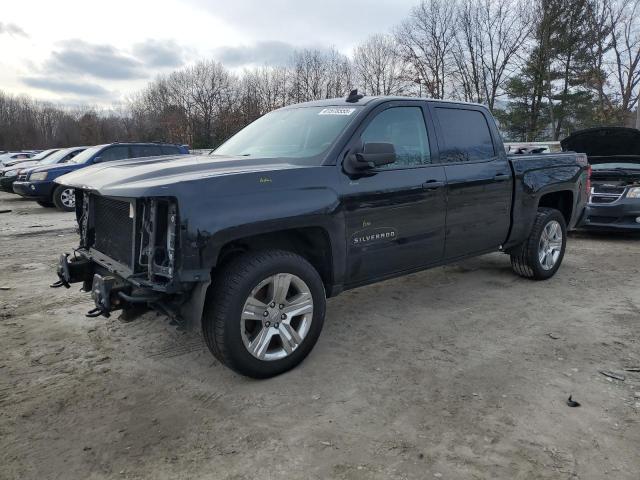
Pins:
x: 544, y: 67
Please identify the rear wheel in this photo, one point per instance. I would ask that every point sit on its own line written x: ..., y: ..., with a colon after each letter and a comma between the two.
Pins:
x: 540, y: 256
x: 64, y: 198
x: 45, y: 204
x: 264, y: 312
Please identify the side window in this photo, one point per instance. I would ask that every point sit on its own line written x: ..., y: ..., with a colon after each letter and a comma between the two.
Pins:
x: 403, y: 127
x: 467, y: 137
x: 170, y: 150
x: 69, y: 156
x: 114, y: 153
x: 144, y: 151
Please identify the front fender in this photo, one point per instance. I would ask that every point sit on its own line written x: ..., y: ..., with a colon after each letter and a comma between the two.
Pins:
x: 214, y: 222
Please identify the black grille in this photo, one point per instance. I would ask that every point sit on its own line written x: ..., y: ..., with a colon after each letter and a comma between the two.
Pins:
x: 113, y: 229
x: 613, y: 189
x: 597, y: 199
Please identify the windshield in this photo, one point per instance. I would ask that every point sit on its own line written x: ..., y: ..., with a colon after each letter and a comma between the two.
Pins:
x: 43, y: 155
x: 294, y: 133
x: 86, y: 155
x: 55, y: 157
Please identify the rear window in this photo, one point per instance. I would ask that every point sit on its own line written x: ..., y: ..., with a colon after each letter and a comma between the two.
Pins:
x: 467, y: 137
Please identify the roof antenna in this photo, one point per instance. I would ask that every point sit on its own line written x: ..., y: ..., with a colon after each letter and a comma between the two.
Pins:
x: 353, y: 96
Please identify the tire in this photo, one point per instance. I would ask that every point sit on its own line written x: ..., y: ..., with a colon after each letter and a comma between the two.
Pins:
x: 61, y: 198
x: 231, y: 325
x: 45, y: 204
x: 529, y: 260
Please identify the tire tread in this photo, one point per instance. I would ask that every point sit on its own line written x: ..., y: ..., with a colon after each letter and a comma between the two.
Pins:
x: 219, y: 302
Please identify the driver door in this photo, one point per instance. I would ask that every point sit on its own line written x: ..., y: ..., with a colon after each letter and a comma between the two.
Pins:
x: 395, y: 218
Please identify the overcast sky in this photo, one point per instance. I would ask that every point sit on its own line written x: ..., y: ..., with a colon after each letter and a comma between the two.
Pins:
x: 87, y: 52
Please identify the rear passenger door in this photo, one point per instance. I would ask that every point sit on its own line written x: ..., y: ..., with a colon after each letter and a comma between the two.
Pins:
x: 478, y: 176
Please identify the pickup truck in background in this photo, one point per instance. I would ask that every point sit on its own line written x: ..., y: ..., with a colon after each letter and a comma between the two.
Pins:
x: 247, y: 243
x: 614, y: 156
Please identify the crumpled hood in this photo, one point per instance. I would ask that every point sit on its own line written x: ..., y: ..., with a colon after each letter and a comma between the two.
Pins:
x: 600, y: 144
x: 131, y: 177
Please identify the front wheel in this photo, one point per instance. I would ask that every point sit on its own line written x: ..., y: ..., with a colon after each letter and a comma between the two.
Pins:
x: 540, y: 256
x: 64, y: 198
x: 264, y: 312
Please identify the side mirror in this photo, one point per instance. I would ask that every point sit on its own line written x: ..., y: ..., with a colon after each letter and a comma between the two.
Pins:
x: 97, y: 160
x: 373, y: 155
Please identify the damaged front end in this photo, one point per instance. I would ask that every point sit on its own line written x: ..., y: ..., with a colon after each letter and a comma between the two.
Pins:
x: 127, y: 254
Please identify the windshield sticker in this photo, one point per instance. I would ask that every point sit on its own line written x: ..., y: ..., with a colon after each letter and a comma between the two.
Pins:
x: 337, y: 111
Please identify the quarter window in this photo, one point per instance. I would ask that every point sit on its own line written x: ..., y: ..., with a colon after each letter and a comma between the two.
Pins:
x: 403, y: 127
x: 466, y: 135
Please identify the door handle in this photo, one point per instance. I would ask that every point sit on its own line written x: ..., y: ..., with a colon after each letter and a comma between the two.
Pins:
x: 501, y: 176
x: 432, y: 184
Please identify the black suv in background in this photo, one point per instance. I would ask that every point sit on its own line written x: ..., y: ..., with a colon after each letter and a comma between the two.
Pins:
x: 40, y: 186
x: 614, y: 156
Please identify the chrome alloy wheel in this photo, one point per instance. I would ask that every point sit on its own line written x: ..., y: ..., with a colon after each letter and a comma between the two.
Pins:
x: 550, y: 245
x: 276, y: 317
x: 68, y: 198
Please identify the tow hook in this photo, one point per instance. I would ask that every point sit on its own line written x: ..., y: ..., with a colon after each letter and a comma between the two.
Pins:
x: 71, y: 271
x: 63, y: 273
x: 104, y: 291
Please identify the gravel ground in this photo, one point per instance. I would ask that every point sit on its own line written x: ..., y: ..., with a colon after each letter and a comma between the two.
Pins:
x: 459, y: 372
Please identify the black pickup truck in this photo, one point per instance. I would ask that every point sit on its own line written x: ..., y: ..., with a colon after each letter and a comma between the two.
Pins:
x: 309, y: 200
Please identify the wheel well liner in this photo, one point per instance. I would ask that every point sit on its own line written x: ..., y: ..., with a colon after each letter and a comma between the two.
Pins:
x: 312, y: 243
x: 561, y: 200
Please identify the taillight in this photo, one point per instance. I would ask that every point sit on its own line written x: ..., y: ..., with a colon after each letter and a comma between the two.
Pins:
x: 588, y: 184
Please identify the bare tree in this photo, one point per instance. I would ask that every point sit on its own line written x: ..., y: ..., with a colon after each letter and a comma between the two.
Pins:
x: 624, y: 18
x: 491, y: 35
x: 426, y: 42
x: 379, y: 67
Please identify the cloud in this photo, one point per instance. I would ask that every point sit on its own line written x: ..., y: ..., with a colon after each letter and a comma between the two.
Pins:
x: 98, y: 61
x: 66, y: 86
x: 270, y: 52
x: 159, y: 53
x: 12, y: 29
x: 336, y: 23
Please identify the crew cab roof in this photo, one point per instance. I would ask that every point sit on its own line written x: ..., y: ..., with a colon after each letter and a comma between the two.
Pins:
x: 369, y: 101
x: 604, y: 141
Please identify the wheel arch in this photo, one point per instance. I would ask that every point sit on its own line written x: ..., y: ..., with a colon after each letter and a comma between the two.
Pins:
x: 561, y: 200
x: 311, y: 242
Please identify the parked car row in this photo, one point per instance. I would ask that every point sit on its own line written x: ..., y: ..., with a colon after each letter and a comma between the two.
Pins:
x: 33, y: 177
x: 8, y: 157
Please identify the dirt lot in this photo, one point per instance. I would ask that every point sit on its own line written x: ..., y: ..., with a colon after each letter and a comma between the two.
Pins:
x: 449, y: 373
